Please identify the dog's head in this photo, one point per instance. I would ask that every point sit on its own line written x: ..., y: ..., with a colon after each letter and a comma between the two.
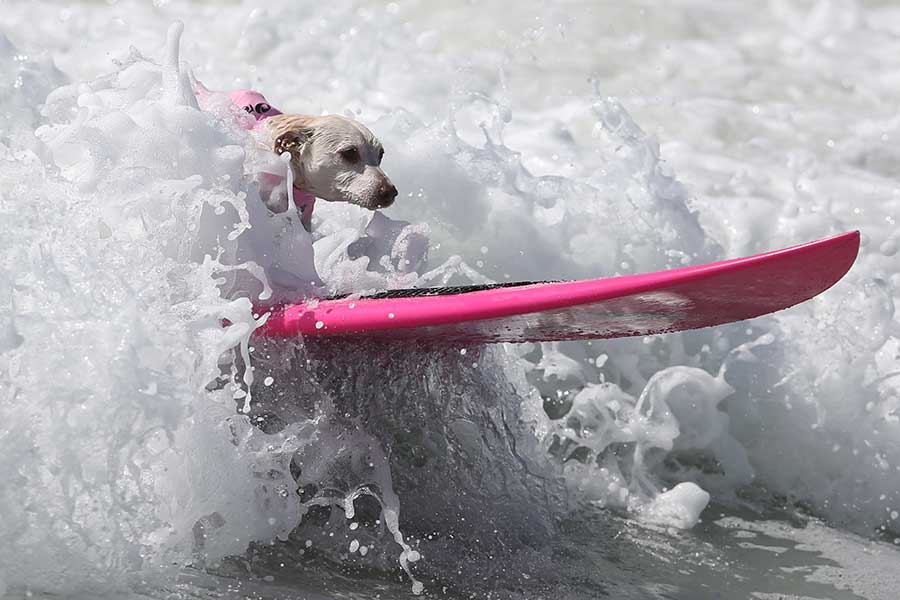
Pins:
x: 334, y: 158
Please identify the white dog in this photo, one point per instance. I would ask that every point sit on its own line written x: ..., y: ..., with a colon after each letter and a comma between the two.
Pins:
x: 329, y: 157
x: 333, y: 158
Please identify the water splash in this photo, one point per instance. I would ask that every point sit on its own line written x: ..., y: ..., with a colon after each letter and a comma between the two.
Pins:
x: 131, y: 217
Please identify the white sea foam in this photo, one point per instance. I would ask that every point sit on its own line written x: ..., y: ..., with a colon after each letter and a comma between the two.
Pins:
x: 127, y: 212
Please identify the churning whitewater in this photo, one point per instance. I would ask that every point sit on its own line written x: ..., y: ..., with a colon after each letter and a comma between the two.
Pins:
x: 146, y: 434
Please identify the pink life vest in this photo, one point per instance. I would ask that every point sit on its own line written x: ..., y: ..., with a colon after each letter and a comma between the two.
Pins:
x: 256, y: 105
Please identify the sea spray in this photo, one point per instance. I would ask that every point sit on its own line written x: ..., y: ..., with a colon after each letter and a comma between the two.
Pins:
x: 577, y: 175
x: 114, y: 147
x: 122, y: 459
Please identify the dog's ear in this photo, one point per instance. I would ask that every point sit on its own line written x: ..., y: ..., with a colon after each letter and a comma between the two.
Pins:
x: 290, y: 141
x: 291, y: 133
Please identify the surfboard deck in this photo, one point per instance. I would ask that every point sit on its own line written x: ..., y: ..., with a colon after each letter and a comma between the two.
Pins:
x: 646, y: 304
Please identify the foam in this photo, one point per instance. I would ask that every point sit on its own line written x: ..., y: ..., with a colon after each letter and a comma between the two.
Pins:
x: 130, y: 218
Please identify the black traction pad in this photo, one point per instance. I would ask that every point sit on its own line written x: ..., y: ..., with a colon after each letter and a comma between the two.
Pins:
x: 439, y: 291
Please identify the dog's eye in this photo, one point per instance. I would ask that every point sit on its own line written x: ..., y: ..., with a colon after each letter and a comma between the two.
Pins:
x: 351, y: 155
x: 262, y: 108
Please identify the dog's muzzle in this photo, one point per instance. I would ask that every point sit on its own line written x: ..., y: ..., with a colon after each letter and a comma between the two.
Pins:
x: 387, y: 193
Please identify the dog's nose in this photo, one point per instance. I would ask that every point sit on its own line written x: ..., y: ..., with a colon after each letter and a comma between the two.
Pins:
x: 386, y: 195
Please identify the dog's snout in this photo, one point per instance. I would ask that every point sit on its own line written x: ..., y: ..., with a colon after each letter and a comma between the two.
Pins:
x: 386, y: 194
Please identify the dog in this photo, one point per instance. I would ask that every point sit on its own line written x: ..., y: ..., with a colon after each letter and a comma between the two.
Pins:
x: 332, y: 157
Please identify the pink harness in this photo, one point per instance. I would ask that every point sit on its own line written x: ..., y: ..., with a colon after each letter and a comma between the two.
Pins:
x: 259, y: 108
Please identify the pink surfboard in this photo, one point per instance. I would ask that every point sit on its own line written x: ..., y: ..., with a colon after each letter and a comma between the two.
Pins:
x: 646, y: 304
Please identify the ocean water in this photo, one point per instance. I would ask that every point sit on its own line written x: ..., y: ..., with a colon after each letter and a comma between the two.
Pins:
x: 150, y: 451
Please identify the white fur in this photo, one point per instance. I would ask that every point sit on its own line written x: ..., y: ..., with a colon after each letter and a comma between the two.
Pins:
x: 316, y: 145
